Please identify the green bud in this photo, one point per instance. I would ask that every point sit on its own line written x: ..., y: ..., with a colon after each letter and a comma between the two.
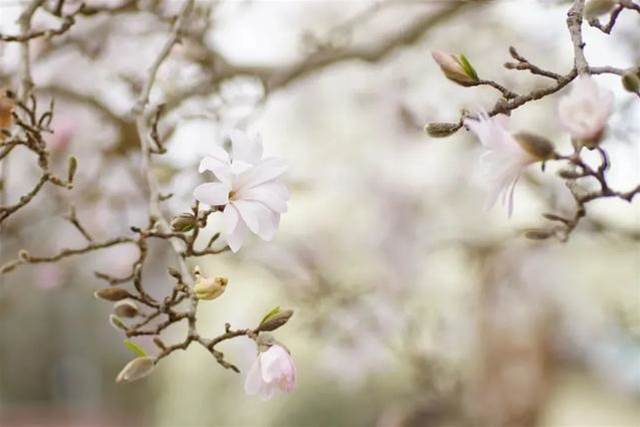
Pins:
x: 117, y: 322
x: 441, y: 130
x: 183, y: 222
x: 631, y: 82
x: 275, y: 319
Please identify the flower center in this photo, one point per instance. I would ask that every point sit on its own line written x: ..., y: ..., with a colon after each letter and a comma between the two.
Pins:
x: 232, y: 195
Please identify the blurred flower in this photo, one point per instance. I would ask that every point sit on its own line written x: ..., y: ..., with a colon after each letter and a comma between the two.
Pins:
x: 584, y: 112
x: 507, y: 155
x: 248, y: 187
x: 271, y: 371
x: 456, y: 69
x: 63, y: 132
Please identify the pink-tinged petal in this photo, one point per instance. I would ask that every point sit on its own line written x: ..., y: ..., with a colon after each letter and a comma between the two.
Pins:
x: 278, y: 367
x: 270, y: 194
x: 253, y: 382
x: 265, y: 171
x: 235, y: 239
x: 230, y: 219
x: 212, y: 193
x: 249, y: 212
x: 244, y: 148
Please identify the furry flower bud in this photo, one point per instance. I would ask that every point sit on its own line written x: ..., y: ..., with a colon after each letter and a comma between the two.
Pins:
x: 631, y: 81
x: 111, y: 294
x: 7, y: 104
x: 441, y: 130
x: 136, y: 369
x: 455, y: 68
x: 538, y: 146
x: 275, y: 319
x: 125, y: 308
x: 595, y: 8
x: 183, y: 222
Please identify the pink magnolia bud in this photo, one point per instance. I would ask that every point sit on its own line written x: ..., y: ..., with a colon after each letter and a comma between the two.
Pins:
x: 456, y: 69
x: 272, y: 371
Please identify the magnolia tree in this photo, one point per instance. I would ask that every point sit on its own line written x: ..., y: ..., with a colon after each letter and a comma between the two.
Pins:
x: 240, y: 185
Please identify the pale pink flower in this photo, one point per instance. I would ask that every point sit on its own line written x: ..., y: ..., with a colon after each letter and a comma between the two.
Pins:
x: 585, y: 110
x: 272, y: 370
x: 63, y: 132
x: 504, y: 160
x: 248, y: 187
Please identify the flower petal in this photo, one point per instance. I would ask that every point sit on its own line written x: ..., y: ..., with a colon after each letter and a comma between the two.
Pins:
x: 249, y: 212
x: 272, y: 194
x: 229, y: 219
x: 212, y: 193
x: 267, y: 170
x: 253, y: 382
x: 268, y: 224
x: 236, y: 237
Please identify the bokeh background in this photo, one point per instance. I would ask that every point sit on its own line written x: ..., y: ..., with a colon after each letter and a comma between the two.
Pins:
x: 413, y: 305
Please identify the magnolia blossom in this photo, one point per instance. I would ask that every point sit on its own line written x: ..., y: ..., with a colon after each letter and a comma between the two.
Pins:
x: 271, y: 371
x: 248, y: 187
x: 584, y: 112
x: 505, y: 158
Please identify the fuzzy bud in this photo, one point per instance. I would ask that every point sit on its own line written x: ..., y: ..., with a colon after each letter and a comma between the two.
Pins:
x: 275, y: 320
x: 208, y: 288
x: 631, y: 82
x: 538, y: 234
x: 538, y: 146
x: 595, y: 8
x: 136, y: 369
x: 456, y: 68
x: 183, y: 222
x: 441, y: 130
x: 72, y: 169
x: 125, y: 308
x: 111, y: 294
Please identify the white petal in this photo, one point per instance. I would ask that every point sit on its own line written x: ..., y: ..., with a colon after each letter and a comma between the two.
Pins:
x: 245, y: 149
x: 249, y: 212
x: 236, y: 237
x: 217, y: 156
x: 270, y: 194
x: 268, y: 225
x: 212, y: 193
x: 267, y: 170
x: 221, y: 169
x: 229, y: 219
x: 253, y: 382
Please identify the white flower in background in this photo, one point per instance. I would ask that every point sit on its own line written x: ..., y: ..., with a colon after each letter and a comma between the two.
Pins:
x: 248, y: 187
x: 585, y: 110
x: 272, y: 370
x: 507, y: 155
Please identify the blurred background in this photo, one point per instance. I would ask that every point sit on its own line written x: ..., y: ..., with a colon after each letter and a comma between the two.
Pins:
x: 413, y: 305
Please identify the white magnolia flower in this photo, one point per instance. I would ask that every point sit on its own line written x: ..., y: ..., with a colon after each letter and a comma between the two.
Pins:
x: 248, y: 187
x: 272, y: 370
x: 507, y: 155
x: 585, y: 110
